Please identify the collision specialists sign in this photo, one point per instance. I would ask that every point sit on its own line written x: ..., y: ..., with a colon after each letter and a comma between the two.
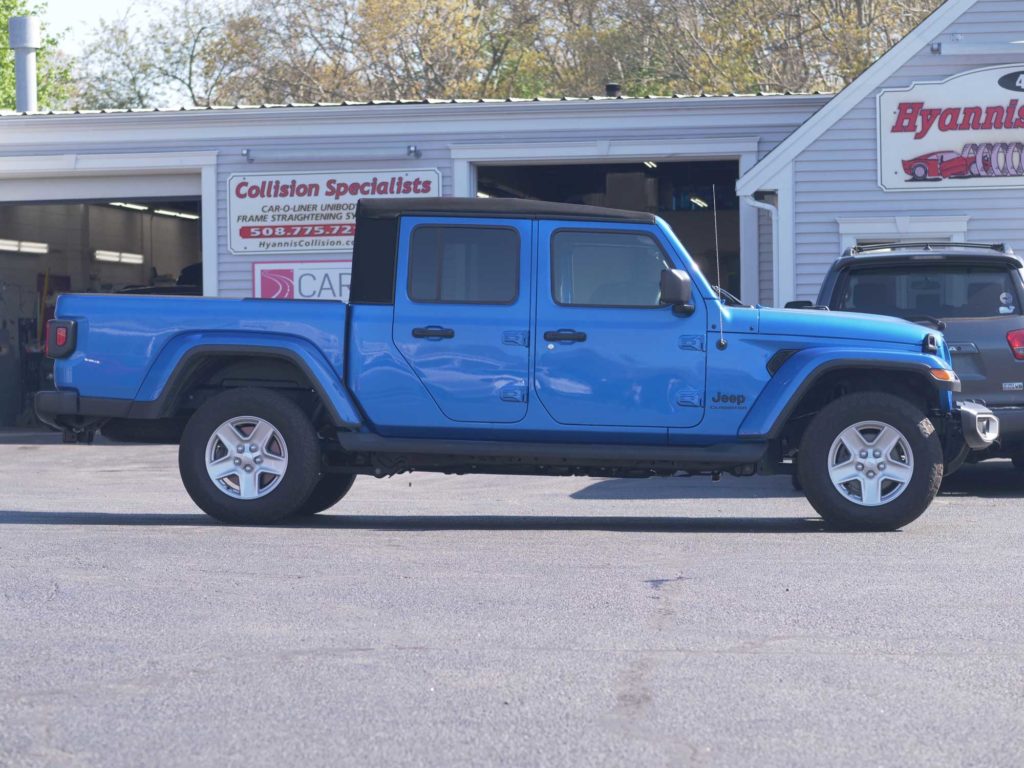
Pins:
x: 966, y: 132
x: 311, y: 212
x: 323, y: 280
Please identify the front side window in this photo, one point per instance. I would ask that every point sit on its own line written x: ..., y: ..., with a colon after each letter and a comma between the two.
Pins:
x: 464, y: 265
x: 606, y: 269
x: 939, y: 291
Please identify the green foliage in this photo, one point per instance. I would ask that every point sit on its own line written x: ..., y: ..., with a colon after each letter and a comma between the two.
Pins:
x: 274, y: 51
x: 53, y: 67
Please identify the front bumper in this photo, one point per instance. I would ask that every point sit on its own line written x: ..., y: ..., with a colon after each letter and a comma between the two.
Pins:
x: 979, y: 425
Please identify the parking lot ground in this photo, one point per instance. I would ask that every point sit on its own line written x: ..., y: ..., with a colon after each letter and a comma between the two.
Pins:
x: 444, y: 621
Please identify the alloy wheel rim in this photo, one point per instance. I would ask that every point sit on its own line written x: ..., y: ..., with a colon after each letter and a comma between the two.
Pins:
x: 870, y: 463
x: 246, y: 457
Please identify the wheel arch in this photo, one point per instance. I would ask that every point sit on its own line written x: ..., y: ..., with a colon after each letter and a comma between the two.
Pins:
x: 796, y: 394
x: 278, y: 365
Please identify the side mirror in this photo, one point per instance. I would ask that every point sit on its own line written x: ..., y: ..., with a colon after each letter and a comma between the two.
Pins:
x: 677, y: 290
x: 800, y: 304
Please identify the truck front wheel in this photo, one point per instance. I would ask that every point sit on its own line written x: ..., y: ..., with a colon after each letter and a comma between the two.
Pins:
x: 870, y: 461
x: 249, y: 456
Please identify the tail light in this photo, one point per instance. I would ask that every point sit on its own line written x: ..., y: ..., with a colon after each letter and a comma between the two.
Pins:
x: 1016, y: 341
x: 60, y: 338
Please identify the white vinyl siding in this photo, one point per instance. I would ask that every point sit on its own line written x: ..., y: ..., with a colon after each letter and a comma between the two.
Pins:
x: 837, y: 176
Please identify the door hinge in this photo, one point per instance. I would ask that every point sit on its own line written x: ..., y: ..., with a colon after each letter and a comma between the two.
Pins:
x: 513, y: 393
x: 690, y: 398
x: 692, y: 343
x: 516, y: 338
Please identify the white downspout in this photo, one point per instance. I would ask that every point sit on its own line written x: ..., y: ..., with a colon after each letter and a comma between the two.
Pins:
x: 774, y: 212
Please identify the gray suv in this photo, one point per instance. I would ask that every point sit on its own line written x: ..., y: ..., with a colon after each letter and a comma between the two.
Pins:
x: 972, y: 293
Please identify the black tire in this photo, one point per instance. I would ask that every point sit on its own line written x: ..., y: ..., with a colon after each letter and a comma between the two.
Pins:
x: 842, y: 510
x: 952, y: 463
x: 919, y: 172
x: 330, y: 489
x: 290, y: 489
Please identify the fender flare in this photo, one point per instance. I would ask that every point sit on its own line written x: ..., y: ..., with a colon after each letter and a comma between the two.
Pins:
x: 169, y: 373
x: 806, y: 368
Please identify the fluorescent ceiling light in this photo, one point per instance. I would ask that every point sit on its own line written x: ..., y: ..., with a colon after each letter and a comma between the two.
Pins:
x: 132, y: 206
x: 482, y: 194
x: 699, y: 202
x: 650, y: 164
x: 24, y: 246
x: 178, y: 214
x: 28, y: 246
x: 118, y: 257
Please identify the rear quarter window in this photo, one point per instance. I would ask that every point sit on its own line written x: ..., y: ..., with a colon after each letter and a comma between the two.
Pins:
x: 939, y: 290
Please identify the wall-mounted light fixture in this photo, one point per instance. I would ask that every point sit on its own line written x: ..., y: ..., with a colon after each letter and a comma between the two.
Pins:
x: 131, y: 206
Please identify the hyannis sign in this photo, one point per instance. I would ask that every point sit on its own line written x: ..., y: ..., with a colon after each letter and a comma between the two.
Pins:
x: 311, y: 212
x: 966, y: 132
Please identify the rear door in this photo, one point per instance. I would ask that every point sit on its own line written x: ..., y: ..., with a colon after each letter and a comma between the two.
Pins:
x: 462, y: 314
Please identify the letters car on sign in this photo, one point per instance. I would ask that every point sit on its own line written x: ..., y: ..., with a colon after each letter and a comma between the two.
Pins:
x: 311, y: 280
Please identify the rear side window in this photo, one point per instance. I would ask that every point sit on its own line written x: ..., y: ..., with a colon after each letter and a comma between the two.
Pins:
x: 464, y: 265
x: 606, y: 269
x: 940, y: 291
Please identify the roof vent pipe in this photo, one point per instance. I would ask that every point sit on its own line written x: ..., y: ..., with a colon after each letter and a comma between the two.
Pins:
x: 612, y: 90
x: 26, y: 38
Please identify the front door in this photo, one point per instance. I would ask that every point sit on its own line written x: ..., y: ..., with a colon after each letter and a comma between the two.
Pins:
x: 462, y: 314
x: 608, y: 353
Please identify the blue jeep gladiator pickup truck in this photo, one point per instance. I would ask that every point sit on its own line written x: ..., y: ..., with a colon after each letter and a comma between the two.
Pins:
x: 517, y: 337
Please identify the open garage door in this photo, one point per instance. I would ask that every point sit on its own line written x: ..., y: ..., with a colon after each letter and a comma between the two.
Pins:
x: 678, y: 192
x: 123, y: 244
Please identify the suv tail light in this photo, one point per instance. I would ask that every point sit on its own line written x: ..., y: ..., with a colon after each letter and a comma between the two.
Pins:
x: 60, y: 338
x: 1016, y: 342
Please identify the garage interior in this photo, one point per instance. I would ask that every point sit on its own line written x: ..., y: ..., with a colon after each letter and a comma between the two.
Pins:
x: 678, y: 192
x: 130, y: 245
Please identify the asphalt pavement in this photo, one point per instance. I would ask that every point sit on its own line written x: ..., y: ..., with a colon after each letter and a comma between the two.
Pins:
x: 473, y: 621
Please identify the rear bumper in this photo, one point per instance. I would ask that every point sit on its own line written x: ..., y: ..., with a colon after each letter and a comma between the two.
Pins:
x: 979, y: 425
x: 64, y: 409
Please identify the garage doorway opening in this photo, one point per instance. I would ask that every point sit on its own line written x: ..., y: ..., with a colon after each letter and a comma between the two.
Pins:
x: 678, y: 192
x: 128, y: 245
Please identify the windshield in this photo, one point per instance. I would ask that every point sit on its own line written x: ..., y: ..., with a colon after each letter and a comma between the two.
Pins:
x: 939, y: 291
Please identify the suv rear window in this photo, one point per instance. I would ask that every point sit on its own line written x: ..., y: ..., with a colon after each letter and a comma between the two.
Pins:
x: 940, y: 290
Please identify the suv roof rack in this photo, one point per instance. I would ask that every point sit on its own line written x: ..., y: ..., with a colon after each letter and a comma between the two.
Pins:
x: 927, y: 246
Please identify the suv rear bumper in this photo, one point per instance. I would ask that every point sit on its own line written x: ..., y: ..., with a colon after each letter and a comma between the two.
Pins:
x: 980, y: 426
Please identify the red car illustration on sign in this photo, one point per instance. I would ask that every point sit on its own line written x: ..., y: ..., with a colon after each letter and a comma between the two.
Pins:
x: 939, y: 165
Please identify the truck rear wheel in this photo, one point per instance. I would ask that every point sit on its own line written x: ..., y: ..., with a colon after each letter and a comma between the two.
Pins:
x: 249, y: 456
x: 870, y: 461
x: 330, y: 489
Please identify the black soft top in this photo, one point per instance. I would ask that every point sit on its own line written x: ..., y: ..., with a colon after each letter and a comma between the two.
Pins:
x: 499, y: 207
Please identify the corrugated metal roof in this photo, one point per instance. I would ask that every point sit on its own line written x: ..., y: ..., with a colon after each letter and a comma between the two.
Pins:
x: 409, y: 102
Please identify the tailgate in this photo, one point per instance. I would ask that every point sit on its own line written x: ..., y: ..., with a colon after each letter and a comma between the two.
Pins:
x: 984, y: 361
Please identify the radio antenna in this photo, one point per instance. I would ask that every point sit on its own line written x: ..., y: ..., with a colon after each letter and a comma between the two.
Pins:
x: 721, y: 343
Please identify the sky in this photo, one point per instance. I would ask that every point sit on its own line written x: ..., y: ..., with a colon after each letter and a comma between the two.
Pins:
x: 80, y: 16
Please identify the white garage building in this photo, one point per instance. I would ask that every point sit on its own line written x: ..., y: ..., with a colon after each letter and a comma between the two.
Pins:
x: 258, y: 201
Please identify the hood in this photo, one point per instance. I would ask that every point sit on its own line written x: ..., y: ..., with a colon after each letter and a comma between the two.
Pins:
x: 842, y: 325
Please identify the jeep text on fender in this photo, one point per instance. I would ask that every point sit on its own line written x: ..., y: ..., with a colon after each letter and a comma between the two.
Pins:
x: 512, y: 336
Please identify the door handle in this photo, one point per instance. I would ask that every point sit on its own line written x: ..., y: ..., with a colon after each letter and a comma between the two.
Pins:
x: 433, y: 332
x: 565, y: 334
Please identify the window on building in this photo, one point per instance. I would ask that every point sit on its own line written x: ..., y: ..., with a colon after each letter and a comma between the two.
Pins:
x: 464, y: 265
x: 606, y: 269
